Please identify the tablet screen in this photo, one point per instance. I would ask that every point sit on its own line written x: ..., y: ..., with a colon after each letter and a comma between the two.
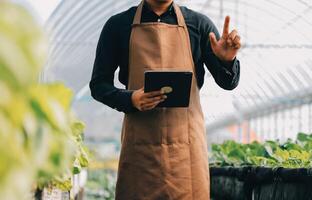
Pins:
x: 175, y: 84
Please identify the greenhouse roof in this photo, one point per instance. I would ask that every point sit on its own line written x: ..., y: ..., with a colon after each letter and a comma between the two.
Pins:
x: 276, y: 59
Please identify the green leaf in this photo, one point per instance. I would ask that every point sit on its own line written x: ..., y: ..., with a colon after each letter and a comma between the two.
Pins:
x: 302, y: 137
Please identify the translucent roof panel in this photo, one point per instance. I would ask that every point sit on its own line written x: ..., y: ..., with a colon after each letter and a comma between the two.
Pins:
x: 275, y: 59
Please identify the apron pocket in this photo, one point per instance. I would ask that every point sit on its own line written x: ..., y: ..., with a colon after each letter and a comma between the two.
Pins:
x: 146, y: 127
x: 159, y: 126
x: 177, y: 126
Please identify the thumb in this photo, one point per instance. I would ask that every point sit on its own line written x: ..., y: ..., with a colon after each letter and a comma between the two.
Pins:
x: 213, y: 39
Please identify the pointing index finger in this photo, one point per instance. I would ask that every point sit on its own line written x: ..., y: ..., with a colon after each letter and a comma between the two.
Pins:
x: 226, y: 27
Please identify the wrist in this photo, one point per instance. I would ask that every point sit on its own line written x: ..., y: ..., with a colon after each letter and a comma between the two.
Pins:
x: 133, y: 98
x: 226, y: 60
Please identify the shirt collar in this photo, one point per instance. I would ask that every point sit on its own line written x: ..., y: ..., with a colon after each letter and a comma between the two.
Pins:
x: 147, y: 8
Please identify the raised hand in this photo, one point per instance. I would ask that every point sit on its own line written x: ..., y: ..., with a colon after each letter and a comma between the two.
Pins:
x: 227, y: 47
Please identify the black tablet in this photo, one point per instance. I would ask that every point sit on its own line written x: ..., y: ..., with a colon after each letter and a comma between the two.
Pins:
x: 175, y: 84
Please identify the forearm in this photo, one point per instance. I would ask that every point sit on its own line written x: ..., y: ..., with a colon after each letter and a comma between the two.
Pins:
x: 225, y: 74
x: 106, y: 93
x: 231, y: 79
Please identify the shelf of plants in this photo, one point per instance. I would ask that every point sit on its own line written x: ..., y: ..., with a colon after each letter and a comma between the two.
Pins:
x: 40, y: 138
x: 262, y: 171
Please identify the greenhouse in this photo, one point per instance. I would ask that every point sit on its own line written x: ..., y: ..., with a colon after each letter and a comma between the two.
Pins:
x: 62, y: 143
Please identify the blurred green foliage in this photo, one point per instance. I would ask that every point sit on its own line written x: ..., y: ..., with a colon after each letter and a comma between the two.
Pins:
x: 40, y: 138
x: 101, y: 185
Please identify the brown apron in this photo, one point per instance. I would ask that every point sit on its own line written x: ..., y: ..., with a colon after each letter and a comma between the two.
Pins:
x: 164, y: 151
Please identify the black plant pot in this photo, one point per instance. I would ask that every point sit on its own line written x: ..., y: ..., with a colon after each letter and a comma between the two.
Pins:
x: 260, y: 183
x: 227, y: 184
x: 287, y: 184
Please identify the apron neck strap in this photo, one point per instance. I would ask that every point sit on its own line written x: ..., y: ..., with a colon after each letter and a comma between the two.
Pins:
x: 138, y: 14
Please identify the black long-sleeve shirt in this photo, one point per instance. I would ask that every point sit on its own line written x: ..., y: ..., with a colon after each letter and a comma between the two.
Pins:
x: 113, y: 51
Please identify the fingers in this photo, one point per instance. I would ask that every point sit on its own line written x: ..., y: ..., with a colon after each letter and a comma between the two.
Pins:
x: 155, y: 99
x: 231, y: 37
x: 237, y: 39
x: 226, y: 27
x: 234, y: 40
x: 148, y: 101
x: 233, y: 34
x: 153, y: 94
x: 237, y: 42
x: 150, y: 106
x: 152, y: 103
x: 238, y: 46
x: 213, y: 39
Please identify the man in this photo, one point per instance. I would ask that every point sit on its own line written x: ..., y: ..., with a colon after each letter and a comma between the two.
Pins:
x: 164, y: 150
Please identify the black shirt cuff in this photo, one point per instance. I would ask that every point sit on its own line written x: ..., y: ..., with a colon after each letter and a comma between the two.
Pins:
x: 228, y: 64
x: 127, y: 101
